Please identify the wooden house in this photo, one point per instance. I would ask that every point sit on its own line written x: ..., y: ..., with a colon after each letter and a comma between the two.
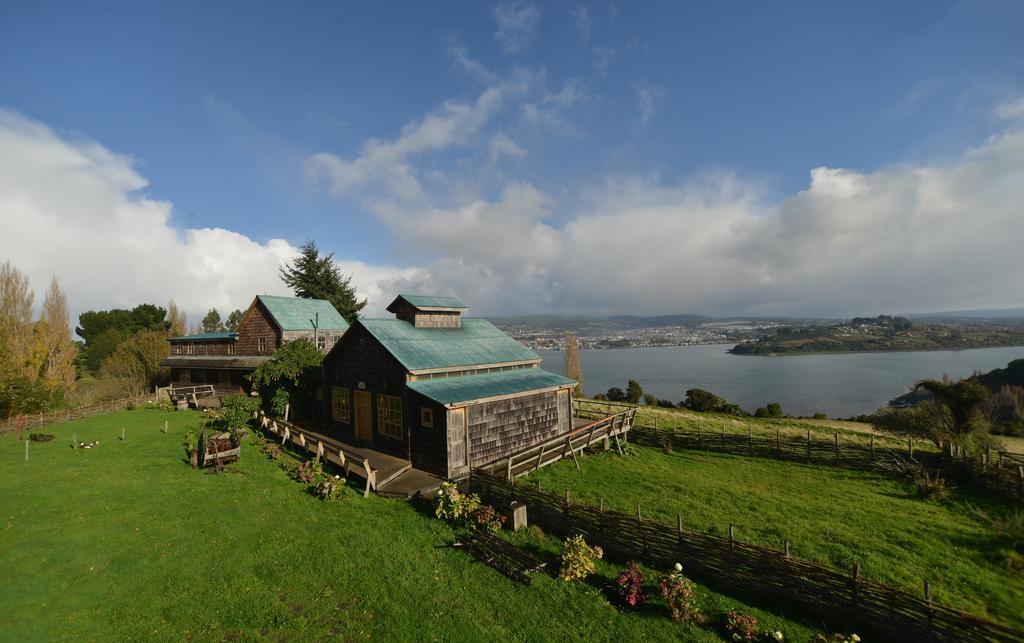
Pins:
x: 442, y: 391
x: 224, y: 359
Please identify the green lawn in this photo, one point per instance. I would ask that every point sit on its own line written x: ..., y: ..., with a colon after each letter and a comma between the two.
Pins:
x: 125, y: 541
x: 832, y: 516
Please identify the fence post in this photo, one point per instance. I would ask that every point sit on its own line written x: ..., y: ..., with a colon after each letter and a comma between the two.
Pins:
x: 723, y: 435
x: 643, y: 534
x: 786, y: 554
x: 778, y: 443
x: 872, y: 446
x: 750, y: 443
x: 26, y: 448
x: 732, y: 539
x: 837, y: 447
x: 808, y: 445
x: 910, y: 447
x: 74, y: 440
x: 928, y: 599
x: 698, y: 432
x: 856, y: 577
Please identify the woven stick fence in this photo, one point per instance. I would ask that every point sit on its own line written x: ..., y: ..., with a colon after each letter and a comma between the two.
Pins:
x: 66, y: 415
x: 1001, y: 472
x: 839, y: 599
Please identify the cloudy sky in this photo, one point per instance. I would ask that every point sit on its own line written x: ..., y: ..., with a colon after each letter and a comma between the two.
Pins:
x: 830, y: 159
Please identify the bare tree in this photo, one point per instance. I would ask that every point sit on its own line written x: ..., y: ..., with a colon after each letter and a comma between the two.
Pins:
x: 573, y: 364
x: 178, y: 319
x: 60, y: 350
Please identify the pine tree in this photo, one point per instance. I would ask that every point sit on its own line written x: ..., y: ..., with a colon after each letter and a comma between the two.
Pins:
x: 573, y: 364
x: 311, y: 276
x: 211, y: 323
x: 177, y: 319
x: 58, y: 346
x: 234, y: 319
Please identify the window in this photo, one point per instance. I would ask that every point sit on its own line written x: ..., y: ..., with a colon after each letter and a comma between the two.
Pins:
x: 389, y: 416
x: 336, y: 338
x: 321, y: 342
x: 186, y: 376
x: 189, y: 348
x: 261, y: 344
x: 231, y: 349
x: 427, y: 417
x: 341, y: 410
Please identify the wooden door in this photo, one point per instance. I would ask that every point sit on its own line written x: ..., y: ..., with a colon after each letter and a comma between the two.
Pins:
x: 457, y: 439
x: 364, y: 416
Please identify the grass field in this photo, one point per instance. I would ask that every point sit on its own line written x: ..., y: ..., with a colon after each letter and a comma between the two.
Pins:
x: 125, y: 541
x: 831, y: 516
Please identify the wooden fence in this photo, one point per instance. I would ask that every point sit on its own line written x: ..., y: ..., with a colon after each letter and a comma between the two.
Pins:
x: 1002, y: 472
x: 66, y: 415
x: 608, y: 430
x: 842, y: 600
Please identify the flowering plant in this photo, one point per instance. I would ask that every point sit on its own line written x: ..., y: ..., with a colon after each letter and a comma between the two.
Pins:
x: 454, y: 506
x: 486, y: 518
x: 740, y: 627
x: 630, y: 586
x: 578, y: 559
x: 309, y: 472
x: 330, y: 488
x: 678, y: 593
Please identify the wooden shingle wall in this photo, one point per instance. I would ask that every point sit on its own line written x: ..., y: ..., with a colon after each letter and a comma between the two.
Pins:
x: 255, y: 324
x: 498, y: 429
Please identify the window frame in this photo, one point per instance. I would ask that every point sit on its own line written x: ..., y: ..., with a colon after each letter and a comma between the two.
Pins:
x: 389, y: 416
x: 321, y: 342
x: 427, y: 417
x: 261, y: 344
x: 341, y: 404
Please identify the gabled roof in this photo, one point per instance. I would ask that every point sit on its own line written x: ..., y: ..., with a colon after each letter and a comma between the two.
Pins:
x: 476, y: 343
x: 206, y: 337
x: 295, y: 313
x: 428, y: 302
x: 464, y: 388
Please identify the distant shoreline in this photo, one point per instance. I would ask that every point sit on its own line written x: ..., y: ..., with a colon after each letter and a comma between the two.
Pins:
x: 888, y: 350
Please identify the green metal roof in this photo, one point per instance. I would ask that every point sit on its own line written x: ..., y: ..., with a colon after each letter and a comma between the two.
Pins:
x: 451, y: 390
x: 295, y: 313
x: 431, y: 301
x: 205, y: 337
x: 477, y: 342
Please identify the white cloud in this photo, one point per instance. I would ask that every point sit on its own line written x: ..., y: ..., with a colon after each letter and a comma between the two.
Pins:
x: 584, y: 22
x: 1010, y: 109
x: 550, y: 110
x: 73, y: 209
x: 647, y: 97
x: 473, y: 67
x: 388, y: 164
x: 900, y: 239
x: 501, y: 145
x: 517, y: 25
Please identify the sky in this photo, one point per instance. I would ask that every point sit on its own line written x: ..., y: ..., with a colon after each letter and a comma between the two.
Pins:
x: 725, y: 158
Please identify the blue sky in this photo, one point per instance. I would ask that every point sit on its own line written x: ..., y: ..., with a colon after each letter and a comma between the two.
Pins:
x: 357, y: 124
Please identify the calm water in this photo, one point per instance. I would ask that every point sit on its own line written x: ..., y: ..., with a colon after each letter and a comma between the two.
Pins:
x: 841, y: 385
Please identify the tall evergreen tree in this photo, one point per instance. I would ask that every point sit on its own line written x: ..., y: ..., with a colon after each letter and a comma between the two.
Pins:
x: 312, y: 276
x: 211, y: 323
x: 234, y: 319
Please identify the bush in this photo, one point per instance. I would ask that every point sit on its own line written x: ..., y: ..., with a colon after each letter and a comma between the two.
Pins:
x: 309, y: 472
x: 677, y: 590
x: 578, y: 559
x: 453, y: 506
x: 486, y: 518
x: 630, y: 586
x: 931, y: 486
x: 650, y: 400
x: 740, y: 627
x: 330, y: 488
x: 273, y: 451
x: 615, y: 394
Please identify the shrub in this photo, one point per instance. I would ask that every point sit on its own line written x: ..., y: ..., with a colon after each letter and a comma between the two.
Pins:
x: 838, y: 637
x: 650, y: 400
x: 273, y: 451
x: 740, y: 627
x: 486, y: 518
x: 130, y: 406
x: 191, y: 441
x: 309, y: 472
x: 453, y: 506
x: 678, y: 592
x: 330, y: 488
x: 931, y: 486
x: 630, y: 586
x: 578, y: 559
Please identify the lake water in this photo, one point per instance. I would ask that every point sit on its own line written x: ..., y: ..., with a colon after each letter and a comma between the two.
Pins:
x: 839, y: 384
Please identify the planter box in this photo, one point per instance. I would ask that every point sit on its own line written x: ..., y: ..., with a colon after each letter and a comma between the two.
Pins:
x: 218, y: 449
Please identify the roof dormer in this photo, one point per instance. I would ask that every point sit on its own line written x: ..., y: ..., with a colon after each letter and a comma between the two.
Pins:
x: 428, y: 311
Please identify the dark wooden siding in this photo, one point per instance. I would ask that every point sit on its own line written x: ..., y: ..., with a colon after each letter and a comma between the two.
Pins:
x: 226, y: 381
x: 255, y: 324
x: 359, y: 358
x: 428, y: 445
x: 501, y: 428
